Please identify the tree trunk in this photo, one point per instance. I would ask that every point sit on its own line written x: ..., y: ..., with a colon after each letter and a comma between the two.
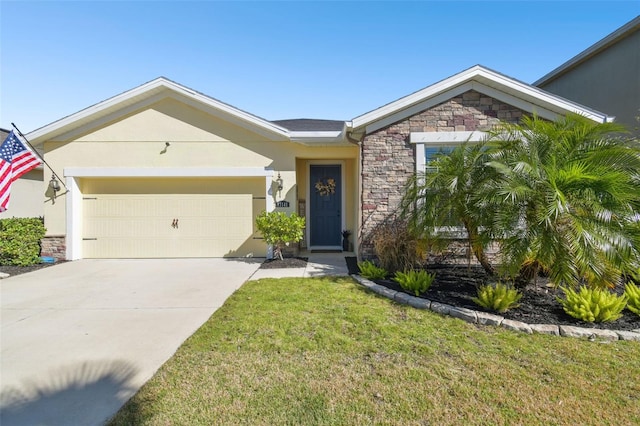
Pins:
x: 478, y: 249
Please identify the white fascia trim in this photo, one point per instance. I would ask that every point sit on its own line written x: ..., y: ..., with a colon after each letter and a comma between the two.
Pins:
x: 531, y: 99
x: 476, y: 78
x: 140, y: 91
x: 413, y: 98
x: 419, y: 107
x: 96, y: 108
x: 253, y: 119
x: 619, y: 34
x: 109, y: 117
x: 316, y: 135
x: 168, y: 172
x: 446, y: 137
x: 518, y: 102
x: 319, y: 138
x: 230, y: 114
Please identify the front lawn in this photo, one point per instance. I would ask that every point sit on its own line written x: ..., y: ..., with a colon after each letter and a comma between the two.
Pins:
x: 326, y: 351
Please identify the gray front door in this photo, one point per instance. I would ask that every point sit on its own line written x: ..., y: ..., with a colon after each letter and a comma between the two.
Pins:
x: 325, y: 212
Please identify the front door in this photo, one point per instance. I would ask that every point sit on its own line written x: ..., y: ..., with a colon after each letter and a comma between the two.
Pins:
x: 325, y: 214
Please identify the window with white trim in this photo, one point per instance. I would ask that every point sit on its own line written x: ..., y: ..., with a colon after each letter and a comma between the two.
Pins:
x: 430, y: 144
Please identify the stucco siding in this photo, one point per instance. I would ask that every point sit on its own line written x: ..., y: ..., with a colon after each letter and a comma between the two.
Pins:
x: 27, y: 196
x: 195, y: 140
x: 608, y: 81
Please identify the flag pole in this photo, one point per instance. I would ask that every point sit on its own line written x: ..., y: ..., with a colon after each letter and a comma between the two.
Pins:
x: 39, y: 156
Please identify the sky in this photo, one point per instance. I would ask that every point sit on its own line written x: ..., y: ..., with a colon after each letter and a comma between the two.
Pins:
x: 278, y: 60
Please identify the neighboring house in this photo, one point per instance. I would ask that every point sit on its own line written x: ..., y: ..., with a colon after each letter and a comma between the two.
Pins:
x: 164, y: 171
x: 606, y: 76
x: 27, y: 193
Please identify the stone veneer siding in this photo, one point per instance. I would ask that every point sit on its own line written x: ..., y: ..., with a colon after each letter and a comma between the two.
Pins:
x: 53, y: 246
x: 388, y: 158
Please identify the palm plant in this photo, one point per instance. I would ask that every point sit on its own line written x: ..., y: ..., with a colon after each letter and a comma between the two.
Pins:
x: 568, y: 196
x: 447, y: 195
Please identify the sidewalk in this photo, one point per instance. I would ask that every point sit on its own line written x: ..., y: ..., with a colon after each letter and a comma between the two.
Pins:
x: 318, y: 265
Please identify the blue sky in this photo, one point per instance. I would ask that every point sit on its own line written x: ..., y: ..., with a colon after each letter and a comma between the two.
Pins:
x: 333, y: 60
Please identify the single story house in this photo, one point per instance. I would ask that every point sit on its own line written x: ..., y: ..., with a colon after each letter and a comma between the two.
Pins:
x: 165, y: 171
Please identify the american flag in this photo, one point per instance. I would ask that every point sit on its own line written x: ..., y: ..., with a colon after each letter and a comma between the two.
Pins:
x: 15, y: 160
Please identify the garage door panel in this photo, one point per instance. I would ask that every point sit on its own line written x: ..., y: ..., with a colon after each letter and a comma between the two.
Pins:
x: 208, y: 225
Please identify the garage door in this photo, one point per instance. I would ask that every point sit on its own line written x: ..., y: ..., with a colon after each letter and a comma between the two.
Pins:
x: 169, y: 225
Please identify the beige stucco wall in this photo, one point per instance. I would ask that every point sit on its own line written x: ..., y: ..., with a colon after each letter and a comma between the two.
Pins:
x: 196, y: 139
x: 27, y: 196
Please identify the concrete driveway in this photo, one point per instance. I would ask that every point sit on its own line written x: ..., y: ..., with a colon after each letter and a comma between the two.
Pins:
x: 80, y: 338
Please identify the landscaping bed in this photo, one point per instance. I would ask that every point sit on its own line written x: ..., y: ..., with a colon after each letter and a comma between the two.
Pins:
x: 322, y: 351
x: 13, y: 270
x: 287, y: 262
x: 456, y: 286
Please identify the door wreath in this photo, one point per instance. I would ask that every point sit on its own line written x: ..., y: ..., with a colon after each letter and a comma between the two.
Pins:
x: 326, y: 187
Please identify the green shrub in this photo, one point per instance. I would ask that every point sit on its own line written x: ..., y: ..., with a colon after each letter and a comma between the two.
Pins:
x: 416, y: 282
x: 593, y: 304
x: 632, y: 292
x: 369, y: 270
x: 497, y: 298
x: 20, y: 241
x: 279, y: 230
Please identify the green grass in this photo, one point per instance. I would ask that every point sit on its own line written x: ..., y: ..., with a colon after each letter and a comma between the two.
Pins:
x: 327, y: 352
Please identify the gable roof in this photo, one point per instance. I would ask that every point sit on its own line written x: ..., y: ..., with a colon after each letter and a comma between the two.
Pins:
x: 483, y: 80
x: 151, y: 92
x: 621, y: 33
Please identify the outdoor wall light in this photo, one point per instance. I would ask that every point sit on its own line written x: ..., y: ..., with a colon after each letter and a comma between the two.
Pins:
x: 54, y: 185
x: 279, y: 181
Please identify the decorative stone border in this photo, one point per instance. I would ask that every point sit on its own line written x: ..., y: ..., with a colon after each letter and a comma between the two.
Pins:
x: 483, y: 318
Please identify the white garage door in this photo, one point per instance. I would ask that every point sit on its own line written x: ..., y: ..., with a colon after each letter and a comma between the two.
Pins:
x: 168, y: 225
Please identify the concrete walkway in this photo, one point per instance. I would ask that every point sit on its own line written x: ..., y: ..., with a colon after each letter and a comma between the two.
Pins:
x: 318, y: 264
x: 80, y: 338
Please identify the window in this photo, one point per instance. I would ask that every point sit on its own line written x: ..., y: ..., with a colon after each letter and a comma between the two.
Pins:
x: 428, y: 144
x: 431, y: 152
x: 431, y: 144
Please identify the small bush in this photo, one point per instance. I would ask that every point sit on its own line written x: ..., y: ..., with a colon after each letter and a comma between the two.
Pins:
x: 416, y: 282
x: 396, y: 247
x: 632, y: 292
x: 593, y: 304
x: 278, y: 229
x: 370, y: 271
x: 20, y: 241
x: 498, y: 298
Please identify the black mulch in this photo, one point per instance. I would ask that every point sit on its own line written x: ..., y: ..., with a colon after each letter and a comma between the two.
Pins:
x: 352, y: 264
x: 13, y: 270
x: 456, y: 285
x: 287, y: 262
